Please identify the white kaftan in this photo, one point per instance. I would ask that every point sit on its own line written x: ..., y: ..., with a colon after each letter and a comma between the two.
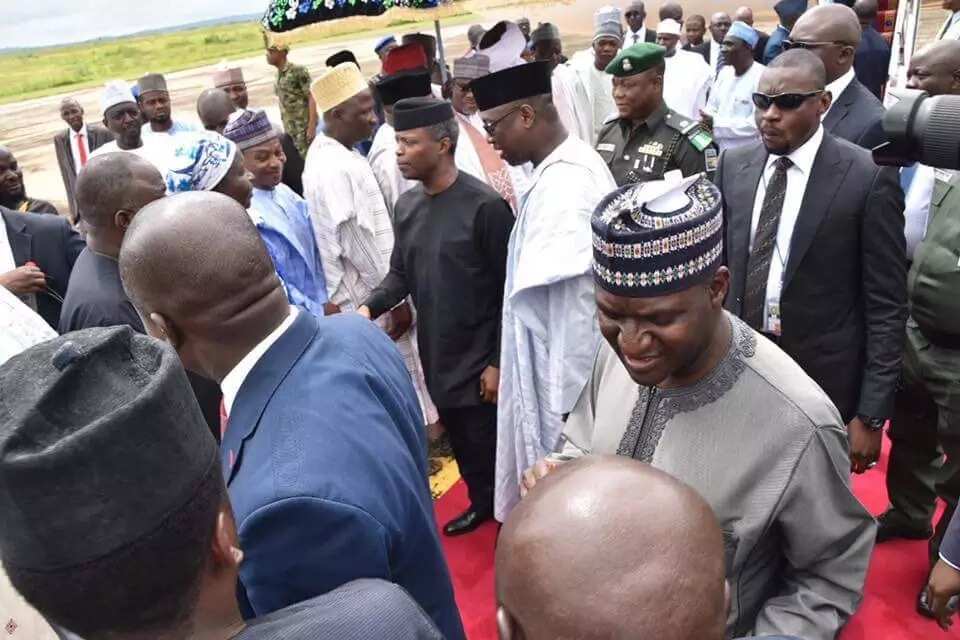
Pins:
x: 731, y: 104
x: 355, y: 237
x: 549, y: 332
x: 686, y: 83
x: 383, y: 160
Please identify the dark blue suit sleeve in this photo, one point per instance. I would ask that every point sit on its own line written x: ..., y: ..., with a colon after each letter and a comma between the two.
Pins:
x: 950, y: 546
x: 298, y: 548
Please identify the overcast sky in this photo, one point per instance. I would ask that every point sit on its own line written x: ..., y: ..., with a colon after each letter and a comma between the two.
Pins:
x: 33, y: 23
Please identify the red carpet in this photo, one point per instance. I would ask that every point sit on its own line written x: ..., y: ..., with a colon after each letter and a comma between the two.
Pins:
x: 897, y: 572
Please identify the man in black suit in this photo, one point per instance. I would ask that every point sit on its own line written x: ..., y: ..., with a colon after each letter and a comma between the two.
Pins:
x: 74, y: 146
x: 37, y: 253
x: 744, y: 14
x: 636, y: 15
x: 816, y: 251
x: 832, y: 32
x: 694, y: 28
x: 872, y: 60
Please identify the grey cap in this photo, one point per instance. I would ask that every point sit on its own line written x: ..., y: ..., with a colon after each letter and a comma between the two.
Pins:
x: 152, y: 82
x: 101, y: 440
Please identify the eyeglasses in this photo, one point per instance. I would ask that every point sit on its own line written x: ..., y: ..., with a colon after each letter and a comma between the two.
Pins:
x: 491, y: 127
x: 785, y: 101
x: 794, y: 44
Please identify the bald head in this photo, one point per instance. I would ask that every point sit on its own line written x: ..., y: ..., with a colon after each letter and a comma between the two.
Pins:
x: 936, y: 69
x: 214, y: 107
x: 838, y: 27
x: 115, y: 182
x: 866, y: 11
x: 608, y: 547
x: 745, y: 15
x: 194, y: 266
x: 803, y: 65
x: 671, y: 11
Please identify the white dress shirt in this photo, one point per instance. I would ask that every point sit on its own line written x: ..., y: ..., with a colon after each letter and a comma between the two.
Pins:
x: 230, y: 386
x: 917, y: 206
x: 797, y: 177
x: 951, y: 27
x: 837, y: 87
x: 714, y: 58
x: 7, y: 263
x: 635, y: 37
x: 75, y: 137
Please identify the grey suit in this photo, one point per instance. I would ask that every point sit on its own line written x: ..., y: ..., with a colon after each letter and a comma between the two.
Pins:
x: 357, y: 610
x: 856, y: 116
x: 97, y: 137
x: 844, y: 299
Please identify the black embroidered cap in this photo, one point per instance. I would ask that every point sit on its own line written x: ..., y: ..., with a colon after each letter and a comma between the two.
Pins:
x: 514, y: 83
x: 101, y: 441
x: 657, y: 238
x: 414, y: 113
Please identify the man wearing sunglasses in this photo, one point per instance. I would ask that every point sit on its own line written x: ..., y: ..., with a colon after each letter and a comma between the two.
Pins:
x: 816, y: 250
x: 833, y: 33
x: 648, y: 139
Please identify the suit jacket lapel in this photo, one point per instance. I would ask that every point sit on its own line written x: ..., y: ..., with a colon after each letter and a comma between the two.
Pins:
x: 745, y: 180
x: 259, y: 386
x: 826, y: 176
x: 841, y: 107
x: 20, y: 241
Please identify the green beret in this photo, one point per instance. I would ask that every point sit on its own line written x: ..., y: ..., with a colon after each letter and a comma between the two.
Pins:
x: 636, y: 59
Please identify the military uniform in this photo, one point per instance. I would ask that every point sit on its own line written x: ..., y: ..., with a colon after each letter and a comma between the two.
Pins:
x: 293, y: 91
x: 926, y: 422
x: 664, y: 142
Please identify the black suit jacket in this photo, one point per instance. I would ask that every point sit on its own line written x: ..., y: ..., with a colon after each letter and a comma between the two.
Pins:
x: 857, y: 116
x: 703, y: 49
x: 649, y: 35
x: 872, y: 60
x: 844, y: 300
x: 761, y: 46
x: 97, y: 137
x: 51, y: 242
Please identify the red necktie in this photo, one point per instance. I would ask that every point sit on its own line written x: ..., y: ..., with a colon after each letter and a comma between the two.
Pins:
x: 223, y: 419
x: 83, y: 150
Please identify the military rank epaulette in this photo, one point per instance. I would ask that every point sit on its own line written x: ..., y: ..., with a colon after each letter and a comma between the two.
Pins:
x: 699, y: 137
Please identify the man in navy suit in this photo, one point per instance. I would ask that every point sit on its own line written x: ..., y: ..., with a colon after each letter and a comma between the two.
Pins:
x: 37, y: 253
x: 872, y: 59
x: 323, y: 451
x: 832, y: 32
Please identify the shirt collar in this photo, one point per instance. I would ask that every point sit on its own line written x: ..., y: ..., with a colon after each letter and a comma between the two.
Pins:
x: 234, y: 380
x: 82, y: 132
x: 840, y: 85
x: 804, y: 155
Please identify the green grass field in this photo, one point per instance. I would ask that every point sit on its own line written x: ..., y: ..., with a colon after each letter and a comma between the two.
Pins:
x: 61, y: 69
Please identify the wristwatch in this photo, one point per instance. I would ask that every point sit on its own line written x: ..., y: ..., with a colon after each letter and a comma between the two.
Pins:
x: 874, y: 424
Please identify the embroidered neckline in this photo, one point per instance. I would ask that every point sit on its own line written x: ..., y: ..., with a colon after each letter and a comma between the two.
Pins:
x: 643, y: 431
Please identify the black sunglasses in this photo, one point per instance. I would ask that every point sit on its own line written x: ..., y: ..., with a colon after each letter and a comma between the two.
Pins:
x: 794, y: 44
x: 491, y: 127
x: 785, y: 101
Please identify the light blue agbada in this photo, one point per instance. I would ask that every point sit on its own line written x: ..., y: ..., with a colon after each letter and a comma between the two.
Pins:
x: 284, y: 225
x: 549, y: 332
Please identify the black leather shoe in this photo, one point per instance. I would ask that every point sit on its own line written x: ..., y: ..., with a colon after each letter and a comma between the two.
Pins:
x: 889, y: 527
x: 465, y: 523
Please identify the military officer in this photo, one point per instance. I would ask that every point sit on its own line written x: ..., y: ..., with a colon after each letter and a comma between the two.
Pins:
x: 297, y: 110
x: 648, y: 139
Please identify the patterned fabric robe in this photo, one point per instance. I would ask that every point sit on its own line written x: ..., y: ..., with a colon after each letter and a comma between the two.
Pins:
x: 355, y: 238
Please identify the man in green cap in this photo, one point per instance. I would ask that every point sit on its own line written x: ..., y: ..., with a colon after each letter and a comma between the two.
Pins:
x: 648, y: 139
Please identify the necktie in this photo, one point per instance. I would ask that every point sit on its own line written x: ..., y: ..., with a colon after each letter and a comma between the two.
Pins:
x: 83, y: 150
x: 764, y: 243
x: 636, y: 38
